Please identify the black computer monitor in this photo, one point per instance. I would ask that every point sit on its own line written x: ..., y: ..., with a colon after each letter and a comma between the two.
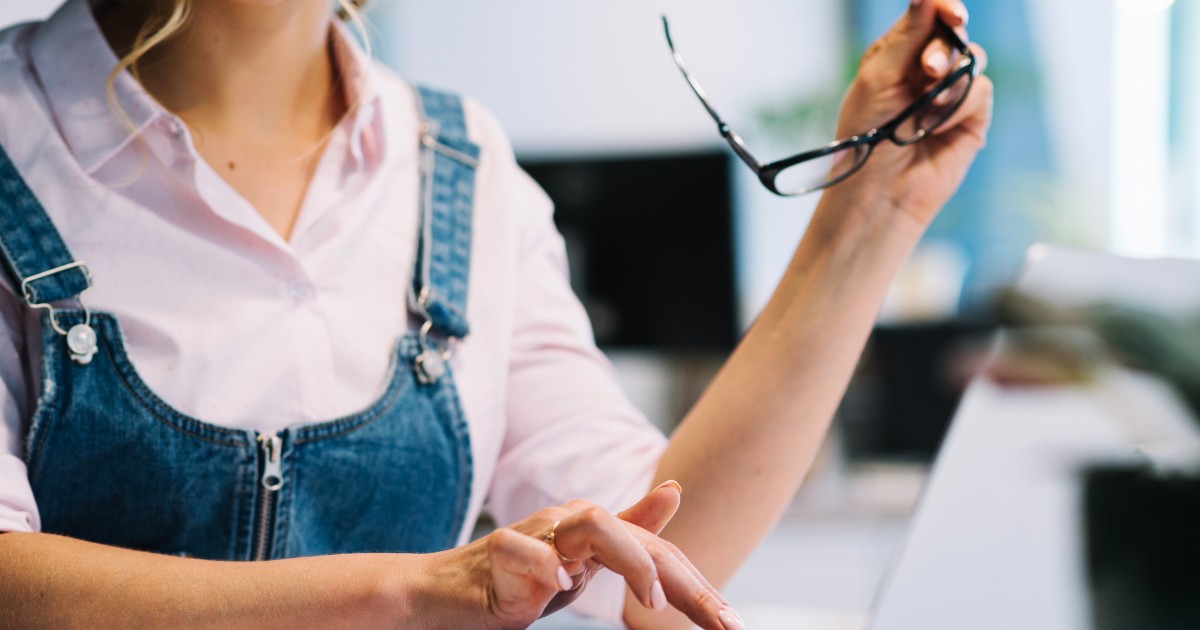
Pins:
x: 650, y: 244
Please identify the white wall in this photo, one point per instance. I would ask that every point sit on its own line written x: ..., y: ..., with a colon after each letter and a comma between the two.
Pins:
x: 13, y: 11
x: 1140, y: 215
x: 595, y: 75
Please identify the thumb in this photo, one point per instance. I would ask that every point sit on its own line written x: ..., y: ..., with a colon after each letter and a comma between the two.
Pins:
x: 655, y: 510
x: 907, y: 38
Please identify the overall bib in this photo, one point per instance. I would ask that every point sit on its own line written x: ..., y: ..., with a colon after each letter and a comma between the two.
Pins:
x: 111, y: 463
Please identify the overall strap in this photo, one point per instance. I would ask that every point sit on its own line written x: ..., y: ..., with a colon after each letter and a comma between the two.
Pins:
x: 448, y: 162
x: 35, y: 259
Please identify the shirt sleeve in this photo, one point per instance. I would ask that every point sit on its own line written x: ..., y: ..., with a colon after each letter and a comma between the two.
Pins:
x: 18, y: 510
x: 572, y: 433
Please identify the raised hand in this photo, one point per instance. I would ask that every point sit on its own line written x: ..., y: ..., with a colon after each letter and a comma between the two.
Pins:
x: 895, y: 70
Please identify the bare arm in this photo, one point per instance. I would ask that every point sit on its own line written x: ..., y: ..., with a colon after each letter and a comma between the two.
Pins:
x: 52, y: 581
x: 502, y: 581
x: 743, y: 450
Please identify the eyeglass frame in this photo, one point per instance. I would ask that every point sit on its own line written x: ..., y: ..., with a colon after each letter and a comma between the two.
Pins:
x: 768, y: 172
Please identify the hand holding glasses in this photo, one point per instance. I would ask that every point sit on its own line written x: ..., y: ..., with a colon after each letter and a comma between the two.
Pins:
x: 821, y: 168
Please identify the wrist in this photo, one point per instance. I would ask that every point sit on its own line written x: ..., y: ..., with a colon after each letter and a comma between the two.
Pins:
x: 865, y: 211
x: 853, y: 247
x: 396, y: 591
x: 856, y: 233
x: 434, y: 593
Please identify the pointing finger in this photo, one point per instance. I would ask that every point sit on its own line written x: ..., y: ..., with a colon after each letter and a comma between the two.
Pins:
x: 688, y: 591
x: 655, y: 510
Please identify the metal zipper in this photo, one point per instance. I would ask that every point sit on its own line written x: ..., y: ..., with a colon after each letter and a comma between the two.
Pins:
x: 269, y: 445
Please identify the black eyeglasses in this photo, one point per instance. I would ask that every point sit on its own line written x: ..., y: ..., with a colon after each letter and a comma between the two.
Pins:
x: 834, y: 162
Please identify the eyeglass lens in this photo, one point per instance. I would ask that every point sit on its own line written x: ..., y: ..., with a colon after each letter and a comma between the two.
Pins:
x: 824, y: 171
x: 937, y: 111
x: 817, y: 173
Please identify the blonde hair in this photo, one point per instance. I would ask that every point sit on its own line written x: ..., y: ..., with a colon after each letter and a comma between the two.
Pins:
x: 164, y: 20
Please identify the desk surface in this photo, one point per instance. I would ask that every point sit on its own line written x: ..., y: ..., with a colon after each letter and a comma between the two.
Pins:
x: 997, y: 541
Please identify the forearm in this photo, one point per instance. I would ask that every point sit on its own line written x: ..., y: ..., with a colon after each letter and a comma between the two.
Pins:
x: 52, y: 581
x: 743, y: 450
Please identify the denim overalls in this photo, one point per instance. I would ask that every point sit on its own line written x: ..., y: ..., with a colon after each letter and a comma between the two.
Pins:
x: 112, y: 463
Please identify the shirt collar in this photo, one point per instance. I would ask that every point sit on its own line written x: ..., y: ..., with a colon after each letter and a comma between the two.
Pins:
x: 72, y: 60
x: 362, y: 97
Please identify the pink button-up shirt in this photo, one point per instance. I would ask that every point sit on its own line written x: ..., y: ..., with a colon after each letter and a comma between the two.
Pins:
x: 227, y: 321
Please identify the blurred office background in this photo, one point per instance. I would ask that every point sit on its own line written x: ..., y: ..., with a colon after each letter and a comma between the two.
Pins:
x: 675, y: 246
x: 1091, y: 146
x: 1094, y: 144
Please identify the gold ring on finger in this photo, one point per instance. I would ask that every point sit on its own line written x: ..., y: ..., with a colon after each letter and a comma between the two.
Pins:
x: 550, y: 538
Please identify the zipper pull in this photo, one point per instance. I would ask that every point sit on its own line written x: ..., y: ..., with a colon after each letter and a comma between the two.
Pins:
x: 271, y: 445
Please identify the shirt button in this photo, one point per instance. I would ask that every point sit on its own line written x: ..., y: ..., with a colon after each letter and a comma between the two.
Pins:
x: 176, y: 126
x: 299, y: 290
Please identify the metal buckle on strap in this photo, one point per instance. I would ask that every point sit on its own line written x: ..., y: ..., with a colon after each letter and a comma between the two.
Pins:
x: 429, y: 139
x: 81, y: 338
x: 430, y: 363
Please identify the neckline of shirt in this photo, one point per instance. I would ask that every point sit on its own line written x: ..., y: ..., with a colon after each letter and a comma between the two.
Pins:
x: 71, y: 59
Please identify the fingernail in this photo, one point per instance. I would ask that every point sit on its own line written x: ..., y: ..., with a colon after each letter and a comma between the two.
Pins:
x: 960, y: 12
x: 658, y: 599
x: 915, y: 3
x: 937, y: 61
x: 731, y: 620
x: 564, y: 579
x: 672, y: 483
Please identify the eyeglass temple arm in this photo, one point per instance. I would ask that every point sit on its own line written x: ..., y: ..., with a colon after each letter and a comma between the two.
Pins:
x: 952, y: 37
x: 735, y: 141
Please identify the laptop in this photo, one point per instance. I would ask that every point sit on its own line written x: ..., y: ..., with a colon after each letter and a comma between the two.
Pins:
x: 997, y: 538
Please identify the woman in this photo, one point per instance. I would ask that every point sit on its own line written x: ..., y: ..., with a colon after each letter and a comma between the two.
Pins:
x: 246, y: 199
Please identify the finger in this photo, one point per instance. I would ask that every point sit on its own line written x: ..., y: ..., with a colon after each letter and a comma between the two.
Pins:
x: 656, y: 509
x: 595, y: 534
x: 954, y: 14
x: 575, y: 567
x: 981, y: 57
x: 939, y: 56
x: 518, y: 559
x: 566, y: 598
x: 908, y: 37
x: 688, y: 591
x: 539, y: 524
x: 936, y: 59
x: 946, y: 95
x: 974, y: 115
